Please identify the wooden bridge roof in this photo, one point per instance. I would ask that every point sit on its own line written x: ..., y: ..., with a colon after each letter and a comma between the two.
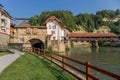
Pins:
x: 85, y: 35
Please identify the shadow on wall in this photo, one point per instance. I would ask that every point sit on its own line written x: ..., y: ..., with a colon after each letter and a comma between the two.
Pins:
x: 18, y: 46
x: 3, y: 47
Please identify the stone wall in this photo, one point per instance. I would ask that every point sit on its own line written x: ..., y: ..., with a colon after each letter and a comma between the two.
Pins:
x: 77, y: 44
x: 56, y: 45
x: 4, y: 40
x: 18, y: 46
x: 21, y: 35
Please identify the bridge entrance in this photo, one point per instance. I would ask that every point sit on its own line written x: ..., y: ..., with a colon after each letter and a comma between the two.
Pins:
x: 37, y: 43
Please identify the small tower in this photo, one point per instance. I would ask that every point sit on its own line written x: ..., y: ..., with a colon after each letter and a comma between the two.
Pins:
x: 55, y: 29
x: 55, y: 34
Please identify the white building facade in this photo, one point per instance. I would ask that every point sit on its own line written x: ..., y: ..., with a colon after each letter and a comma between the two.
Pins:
x: 4, y: 29
x: 55, y: 29
x: 4, y: 21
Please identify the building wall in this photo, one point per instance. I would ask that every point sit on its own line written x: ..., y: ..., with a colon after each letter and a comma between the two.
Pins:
x: 23, y: 36
x: 57, y: 46
x: 55, y: 27
x: 4, y: 40
x: 0, y: 18
x: 4, y: 29
x: 4, y: 22
x: 12, y: 30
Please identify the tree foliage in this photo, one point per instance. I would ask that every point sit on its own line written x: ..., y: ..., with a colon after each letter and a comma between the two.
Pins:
x: 88, y: 21
x: 110, y: 14
x: 65, y: 16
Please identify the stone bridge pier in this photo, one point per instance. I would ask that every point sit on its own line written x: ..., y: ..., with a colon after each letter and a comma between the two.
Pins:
x: 95, y: 44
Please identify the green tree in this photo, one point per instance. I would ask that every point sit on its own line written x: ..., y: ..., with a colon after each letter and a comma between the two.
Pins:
x: 117, y: 12
x: 110, y: 14
x: 98, y: 21
x: 89, y: 22
x: 65, y: 16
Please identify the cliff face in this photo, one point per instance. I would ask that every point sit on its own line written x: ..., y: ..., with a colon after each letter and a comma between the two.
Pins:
x: 81, y: 29
x: 102, y: 29
x: 116, y: 19
x: 112, y: 22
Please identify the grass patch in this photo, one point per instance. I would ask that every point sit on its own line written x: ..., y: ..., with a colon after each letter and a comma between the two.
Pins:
x: 31, y: 67
x: 4, y: 53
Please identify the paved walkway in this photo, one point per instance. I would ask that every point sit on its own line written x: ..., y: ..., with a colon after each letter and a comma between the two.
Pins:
x: 8, y: 59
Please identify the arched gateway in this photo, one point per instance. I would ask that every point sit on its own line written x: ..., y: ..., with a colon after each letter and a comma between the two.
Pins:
x: 34, y: 43
x: 30, y: 36
x: 41, y: 36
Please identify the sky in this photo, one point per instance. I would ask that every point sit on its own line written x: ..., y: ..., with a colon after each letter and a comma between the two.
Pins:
x: 28, y: 8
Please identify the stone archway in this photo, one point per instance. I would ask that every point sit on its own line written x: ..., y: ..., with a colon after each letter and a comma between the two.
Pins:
x: 35, y: 43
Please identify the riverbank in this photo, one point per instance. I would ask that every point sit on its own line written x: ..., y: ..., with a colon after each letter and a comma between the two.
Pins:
x: 31, y: 67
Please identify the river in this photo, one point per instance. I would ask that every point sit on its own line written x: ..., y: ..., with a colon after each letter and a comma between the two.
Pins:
x: 107, y: 58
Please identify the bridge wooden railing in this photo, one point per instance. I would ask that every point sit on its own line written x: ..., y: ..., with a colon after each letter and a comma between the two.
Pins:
x: 61, y: 61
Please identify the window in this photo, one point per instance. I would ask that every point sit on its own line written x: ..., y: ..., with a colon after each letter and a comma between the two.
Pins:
x: 49, y: 26
x: 54, y: 27
x: 4, y: 30
x: 53, y: 37
x: 3, y: 22
x: 53, y: 32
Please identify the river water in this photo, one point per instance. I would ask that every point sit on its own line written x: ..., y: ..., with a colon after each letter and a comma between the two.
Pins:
x: 107, y: 58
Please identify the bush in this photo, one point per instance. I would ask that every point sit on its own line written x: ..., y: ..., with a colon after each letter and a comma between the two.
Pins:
x: 49, y: 49
x: 71, y: 44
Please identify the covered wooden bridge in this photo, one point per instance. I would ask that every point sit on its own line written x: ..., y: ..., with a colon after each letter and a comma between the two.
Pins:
x: 94, y: 38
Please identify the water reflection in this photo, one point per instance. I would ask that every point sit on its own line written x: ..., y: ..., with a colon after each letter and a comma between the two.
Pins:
x: 107, y: 58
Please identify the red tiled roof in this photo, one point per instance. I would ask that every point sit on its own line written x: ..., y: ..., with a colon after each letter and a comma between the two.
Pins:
x: 40, y: 27
x: 12, y: 25
x: 92, y: 35
x: 49, y: 35
x: 24, y: 24
x: 51, y: 18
